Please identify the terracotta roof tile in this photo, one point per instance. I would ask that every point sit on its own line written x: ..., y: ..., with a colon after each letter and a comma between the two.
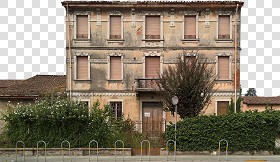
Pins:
x: 7, y: 83
x: 35, y: 86
x: 255, y: 100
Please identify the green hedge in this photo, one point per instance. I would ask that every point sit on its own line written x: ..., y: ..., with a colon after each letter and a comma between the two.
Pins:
x: 55, y: 120
x: 248, y: 131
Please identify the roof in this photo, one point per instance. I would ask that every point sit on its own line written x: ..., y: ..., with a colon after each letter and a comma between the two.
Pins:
x: 222, y: 4
x: 255, y: 100
x: 7, y: 83
x: 34, y: 86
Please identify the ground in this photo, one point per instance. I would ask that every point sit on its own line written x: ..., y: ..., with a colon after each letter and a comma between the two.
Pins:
x: 145, y: 158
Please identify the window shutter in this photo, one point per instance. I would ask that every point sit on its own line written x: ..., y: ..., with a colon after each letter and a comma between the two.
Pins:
x: 224, y: 27
x: 223, y: 66
x: 115, y: 27
x: 115, y: 68
x: 152, y: 27
x: 82, y: 67
x: 152, y: 66
x: 222, y: 107
x: 82, y: 26
x: 190, y: 27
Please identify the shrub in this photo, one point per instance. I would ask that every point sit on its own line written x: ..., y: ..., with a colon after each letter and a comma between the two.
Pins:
x: 249, y: 131
x: 55, y: 120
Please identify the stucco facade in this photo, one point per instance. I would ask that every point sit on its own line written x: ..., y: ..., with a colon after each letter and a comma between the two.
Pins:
x: 133, y: 48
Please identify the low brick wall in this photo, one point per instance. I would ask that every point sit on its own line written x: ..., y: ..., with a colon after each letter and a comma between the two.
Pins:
x: 58, y: 151
x: 214, y: 153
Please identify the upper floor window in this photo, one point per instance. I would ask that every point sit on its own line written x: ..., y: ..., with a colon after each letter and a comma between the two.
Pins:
x: 224, y: 27
x: 82, y: 26
x: 115, y: 68
x: 82, y: 68
x: 223, y: 68
x: 190, y: 27
x: 152, y: 66
x: 115, y: 27
x: 152, y: 27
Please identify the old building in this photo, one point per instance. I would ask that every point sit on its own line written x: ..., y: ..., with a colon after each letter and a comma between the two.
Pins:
x: 116, y: 49
x: 14, y: 92
x: 260, y: 103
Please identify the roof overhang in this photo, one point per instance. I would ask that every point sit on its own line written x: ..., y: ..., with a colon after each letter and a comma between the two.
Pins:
x: 152, y: 4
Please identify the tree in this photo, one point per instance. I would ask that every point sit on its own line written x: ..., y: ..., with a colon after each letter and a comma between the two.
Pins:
x: 251, y: 92
x: 192, y: 81
x: 238, y: 103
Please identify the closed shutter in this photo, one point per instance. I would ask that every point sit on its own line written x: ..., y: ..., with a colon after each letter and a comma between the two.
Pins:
x: 152, y: 27
x: 224, y: 27
x: 222, y: 107
x: 82, y: 67
x: 190, y: 27
x: 223, y: 66
x: 115, y: 68
x: 82, y: 26
x: 152, y: 66
x: 115, y: 27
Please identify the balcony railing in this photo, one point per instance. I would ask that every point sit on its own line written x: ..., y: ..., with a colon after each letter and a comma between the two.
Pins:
x: 145, y: 84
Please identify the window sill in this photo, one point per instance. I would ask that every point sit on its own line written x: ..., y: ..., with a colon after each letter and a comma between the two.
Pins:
x: 82, y: 80
x: 223, y: 80
x: 82, y: 40
x: 190, y: 40
x: 115, y: 40
x: 224, y: 40
x: 152, y: 39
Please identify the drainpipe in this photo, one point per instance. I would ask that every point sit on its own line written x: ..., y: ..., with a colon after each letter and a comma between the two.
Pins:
x: 69, y: 52
x: 235, y: 55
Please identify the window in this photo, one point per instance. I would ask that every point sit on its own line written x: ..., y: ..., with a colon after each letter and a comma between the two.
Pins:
x: 85, y: 103
x: 224, y: 27
x: 152, y: 27
x: 190, y: 27
x: 190, y: 58
x: 115, y: 68
x: 152, y: 66
x: 82, y: 27
x: 222, y: 107
x: 117, y: 108
x: 115, y: 27
x: 82, y: 68
x: 223, y: 67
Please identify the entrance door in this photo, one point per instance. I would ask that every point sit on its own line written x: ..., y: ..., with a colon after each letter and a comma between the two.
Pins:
x: 153, y: 125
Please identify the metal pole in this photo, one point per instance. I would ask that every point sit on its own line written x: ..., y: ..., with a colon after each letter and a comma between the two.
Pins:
x: 235, y: 55
x: 175, y: 143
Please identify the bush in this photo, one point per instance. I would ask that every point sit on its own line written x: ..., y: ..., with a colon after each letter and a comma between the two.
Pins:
x: 249, y: 131
x: 54, y: 120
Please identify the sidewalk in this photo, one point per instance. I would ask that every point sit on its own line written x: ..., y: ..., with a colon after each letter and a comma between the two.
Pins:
x: 275, y: 158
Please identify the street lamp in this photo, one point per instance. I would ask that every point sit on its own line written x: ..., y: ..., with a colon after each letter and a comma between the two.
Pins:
x: 175, y: 102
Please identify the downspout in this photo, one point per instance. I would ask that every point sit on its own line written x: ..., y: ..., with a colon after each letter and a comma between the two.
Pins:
x: 235, y: 55
x: 69, y: 52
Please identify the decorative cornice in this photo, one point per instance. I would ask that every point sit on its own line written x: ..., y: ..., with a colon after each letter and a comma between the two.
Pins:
x: 81, y: 54
x: 114, y: 94
x: 115, y: 13
x: 223, y: 94
x: 99, y: 61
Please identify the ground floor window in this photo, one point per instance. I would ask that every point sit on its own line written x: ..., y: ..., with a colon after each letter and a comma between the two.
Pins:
x: 222, y: 107
x: 117, y: 108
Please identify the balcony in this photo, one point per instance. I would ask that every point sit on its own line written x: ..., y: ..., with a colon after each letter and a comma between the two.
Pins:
x: 146, y: 85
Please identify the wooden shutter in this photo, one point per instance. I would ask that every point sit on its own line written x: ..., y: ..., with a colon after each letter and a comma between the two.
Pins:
x: 222, y: 107
x: 190, y: 27
x: 152, y: 27
x: 82, y: 67
x: 115, y: 68
x: 223, y: 66
x: 152, y: 66
x: 82, y: 26
x: 115, y: 27
x: 224, y: 27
